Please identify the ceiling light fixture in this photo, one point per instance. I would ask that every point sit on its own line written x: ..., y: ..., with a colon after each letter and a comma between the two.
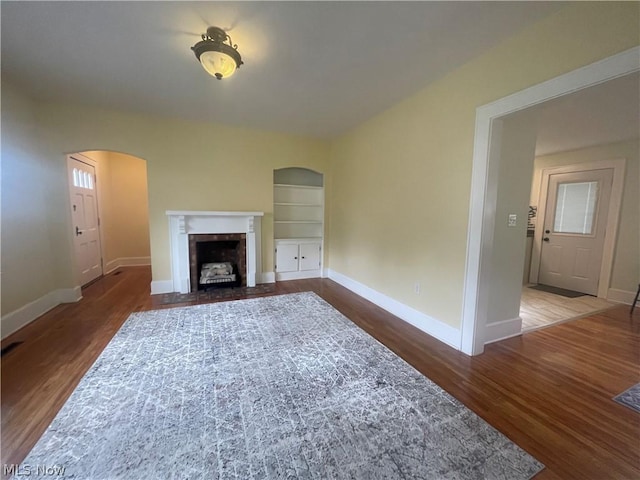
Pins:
x: 218, y: 58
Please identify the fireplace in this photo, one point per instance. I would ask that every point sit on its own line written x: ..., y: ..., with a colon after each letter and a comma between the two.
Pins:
x: 217, y: 260
x: 238, y: 234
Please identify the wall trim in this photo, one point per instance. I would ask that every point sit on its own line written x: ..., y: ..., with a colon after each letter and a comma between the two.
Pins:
x: 503, y: 329
x: 297, y: 275
x: 434, y: 327
x: 14, y: 321
x: 126, y: 262
x: 266, y: 277
x: 620, y: 296
x: 484, y: 180
x: 161, y: 286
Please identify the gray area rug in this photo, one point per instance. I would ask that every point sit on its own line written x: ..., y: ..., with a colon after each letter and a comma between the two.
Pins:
x: 273, y: 387
x: 630, y: 398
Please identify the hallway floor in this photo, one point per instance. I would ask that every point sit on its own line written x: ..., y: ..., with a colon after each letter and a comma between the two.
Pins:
x: 540, y: 309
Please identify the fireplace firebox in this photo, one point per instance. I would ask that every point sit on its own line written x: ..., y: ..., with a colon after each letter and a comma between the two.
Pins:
x: 217, y: 260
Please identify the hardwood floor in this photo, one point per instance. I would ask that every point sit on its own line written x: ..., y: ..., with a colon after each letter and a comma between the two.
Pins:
x: 550, y: 391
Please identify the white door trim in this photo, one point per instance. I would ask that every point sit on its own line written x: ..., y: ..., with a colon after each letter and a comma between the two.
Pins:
x: 613, y: 216
x: 484, y: 181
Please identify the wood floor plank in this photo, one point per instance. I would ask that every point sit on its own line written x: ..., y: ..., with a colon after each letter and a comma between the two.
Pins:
x: 550, y: 390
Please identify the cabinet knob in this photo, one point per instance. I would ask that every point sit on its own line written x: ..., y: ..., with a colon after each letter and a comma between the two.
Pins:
x: 303, y: 258
x: 295, y: 258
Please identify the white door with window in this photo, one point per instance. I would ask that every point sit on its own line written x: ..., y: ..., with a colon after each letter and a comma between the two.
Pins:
x: 84, y: 215
x: 575, y: 221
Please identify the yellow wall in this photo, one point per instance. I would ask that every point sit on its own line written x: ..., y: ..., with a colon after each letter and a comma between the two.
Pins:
x: 27, y: 188
x: 517, y: 152
x: 124, y: 207
x: 397, y: 191
x: 190, y: 165
x: 626, y: 263
x: 401, y: 181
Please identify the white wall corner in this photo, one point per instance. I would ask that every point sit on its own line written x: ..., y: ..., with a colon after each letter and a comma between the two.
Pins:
x: 266, y: 277
x: 161, y: 286
x: 69, y: 295
x: 325, y: 272
x: 620, y: 296
x: 13, y: 321
x: 434, y: 327
x: 109, y: 267
x: 496, y: 331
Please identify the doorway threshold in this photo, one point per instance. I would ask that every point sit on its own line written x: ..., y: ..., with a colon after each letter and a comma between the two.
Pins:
x: 540, y: 309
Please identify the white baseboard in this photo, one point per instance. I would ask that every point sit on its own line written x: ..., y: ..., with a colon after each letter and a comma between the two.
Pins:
x: 13, y: 321
x: 161, y: 286
x: 298, y: 275
x: 126, y: 262
x: 325, y: 273
x: 266, y: 277
x: 436, y: 328
x: 620, y: 296
x: 502, y: 330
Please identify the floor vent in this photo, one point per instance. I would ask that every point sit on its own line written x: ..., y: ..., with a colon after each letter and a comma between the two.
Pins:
x: 9, y: 347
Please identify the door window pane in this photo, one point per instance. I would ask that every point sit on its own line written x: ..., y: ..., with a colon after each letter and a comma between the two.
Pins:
x: 575, y: 207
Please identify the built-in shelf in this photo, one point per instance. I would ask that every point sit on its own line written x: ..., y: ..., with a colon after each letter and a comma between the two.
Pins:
x: 298, y: 223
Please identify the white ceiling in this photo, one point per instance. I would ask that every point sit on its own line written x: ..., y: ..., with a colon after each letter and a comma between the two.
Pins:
x: 606, y: 113
x: 311, y: 68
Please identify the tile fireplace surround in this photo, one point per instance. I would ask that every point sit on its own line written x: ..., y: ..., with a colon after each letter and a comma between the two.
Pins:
x: 185, y: 223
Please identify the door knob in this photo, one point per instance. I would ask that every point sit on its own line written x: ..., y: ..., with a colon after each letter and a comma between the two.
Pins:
x: 78, y: 232
x: 547, y: 231
x: 546, y: 239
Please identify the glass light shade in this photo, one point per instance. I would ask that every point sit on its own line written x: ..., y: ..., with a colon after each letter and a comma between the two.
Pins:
x: 218, y: 64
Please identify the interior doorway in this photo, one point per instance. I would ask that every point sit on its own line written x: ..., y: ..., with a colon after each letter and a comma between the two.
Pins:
x: 579, y: 204
x: 120, y: 188
x: 487, y: 238
x: 571, y: 259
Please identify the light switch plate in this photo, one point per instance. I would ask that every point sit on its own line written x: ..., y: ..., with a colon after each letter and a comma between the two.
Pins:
x: 513, y: 219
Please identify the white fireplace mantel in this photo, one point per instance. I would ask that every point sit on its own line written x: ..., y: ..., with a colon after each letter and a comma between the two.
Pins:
x: 183, y: 223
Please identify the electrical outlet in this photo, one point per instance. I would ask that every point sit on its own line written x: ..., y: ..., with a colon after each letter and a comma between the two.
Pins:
x: 513, y: 220
x: 416, y: 288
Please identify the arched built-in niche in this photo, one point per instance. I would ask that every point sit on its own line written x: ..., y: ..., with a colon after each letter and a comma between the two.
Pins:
x: 298, y: 217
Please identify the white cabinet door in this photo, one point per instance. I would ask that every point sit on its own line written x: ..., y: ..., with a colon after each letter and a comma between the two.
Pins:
x: 287, y: 257
x: 309, y: 256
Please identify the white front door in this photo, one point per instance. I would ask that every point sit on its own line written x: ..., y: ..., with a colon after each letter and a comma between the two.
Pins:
x: 575, y: 222
x: 84, y: 215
